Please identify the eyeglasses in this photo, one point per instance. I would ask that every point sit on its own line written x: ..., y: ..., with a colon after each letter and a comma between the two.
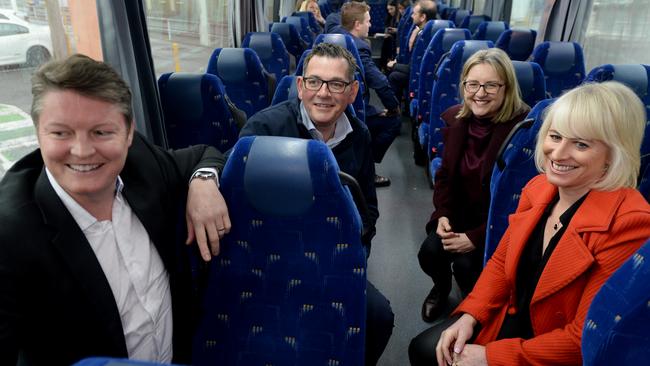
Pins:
x: 474, y: 86
x: 334, y: 86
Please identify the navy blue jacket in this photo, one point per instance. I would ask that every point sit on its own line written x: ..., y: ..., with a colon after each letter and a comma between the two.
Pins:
x: 374, y: 78
x: 353, y: 154
x: 332, y: 21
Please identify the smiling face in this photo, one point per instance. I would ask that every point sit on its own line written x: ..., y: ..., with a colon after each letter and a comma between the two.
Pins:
x: 391, y: 10
x: 572, y: 164
x: 481, y: 103
x: 323, y: 106
x: 84, y: 144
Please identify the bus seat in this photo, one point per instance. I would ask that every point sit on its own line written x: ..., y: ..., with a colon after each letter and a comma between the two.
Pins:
x: 514, y: 167
x: 427, y: 65
x: 271, y: 51
x: 458, y: 15
x: 616, y: 326
x: 344, y: 41
x: 298, y: 295
x: 518, y: 43
x: 445, y: 93
x: 563, y: 64
x: 404, y: 28
x: 302, y: 26
x: 530, y: 78
x: 247, y: 83
x: 196, y: 110
x: 291, y: 38
x: 107, y: 361
x: 637, y: 77
x: 472, y: 22
x: 359, y: 104
x: 378, y: 13
x: 325, y: 9
x: 445, y: 12
x: 311, y: 20
x: 419, y: 48
x: 490, y: 30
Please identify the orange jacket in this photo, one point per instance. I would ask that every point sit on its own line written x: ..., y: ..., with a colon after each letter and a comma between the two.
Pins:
x: 607, y: 228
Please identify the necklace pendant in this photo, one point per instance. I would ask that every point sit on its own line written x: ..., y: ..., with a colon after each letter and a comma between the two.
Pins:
x: 555, y: 226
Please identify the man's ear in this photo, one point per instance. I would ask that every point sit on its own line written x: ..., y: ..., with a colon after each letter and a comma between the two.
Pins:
x: 299, y: 86
x: 354, y: 89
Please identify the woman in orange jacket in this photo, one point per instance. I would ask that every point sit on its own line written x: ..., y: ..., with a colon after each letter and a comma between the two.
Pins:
x: 575, y: 225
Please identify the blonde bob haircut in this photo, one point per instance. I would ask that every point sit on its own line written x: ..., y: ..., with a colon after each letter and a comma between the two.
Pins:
x: 499, y: 60
x: 609, y: 112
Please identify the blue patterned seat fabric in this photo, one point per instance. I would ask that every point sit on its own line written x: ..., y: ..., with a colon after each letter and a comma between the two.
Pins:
x: 531, y: 81
x: 490, y: 30
x: 518, y: 43
x: 271, y: 51
x: 563, y: 64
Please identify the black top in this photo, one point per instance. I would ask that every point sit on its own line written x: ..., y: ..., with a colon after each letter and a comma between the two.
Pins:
x: 529, y: 270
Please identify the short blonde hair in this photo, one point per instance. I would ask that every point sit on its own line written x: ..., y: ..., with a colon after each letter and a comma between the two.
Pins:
x: 609, y: 112
x: 499, y: 60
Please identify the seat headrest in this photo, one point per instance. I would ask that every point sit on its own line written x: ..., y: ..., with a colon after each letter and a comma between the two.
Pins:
x: 338, y: 39
x: 561, y: 57
x: 262, y: 44
x: 451, y: 35
x: 277, y: 177
x: 634, y: 76
x: 183, y: 95
x: 231, y: 65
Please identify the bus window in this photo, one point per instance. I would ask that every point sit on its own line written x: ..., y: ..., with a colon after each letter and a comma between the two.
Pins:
x: 618, y: 32
x: 31, y: 33
x: 526, y: 14
x: 183, y: 34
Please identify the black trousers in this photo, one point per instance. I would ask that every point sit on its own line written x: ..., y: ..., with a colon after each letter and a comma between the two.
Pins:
x: 383, y: 131
x: 422, y: 349
x: 437, y: 262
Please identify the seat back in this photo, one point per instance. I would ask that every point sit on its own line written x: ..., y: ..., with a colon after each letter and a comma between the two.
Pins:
x: 286, y: 89
x: 471, y: 22
x: 107, y: 361
x: 302, y: 26
x: 514, y: 167
x: 446, y: 93
x: 531, y: 81
x: 422, y: 45
x: 344, y: 41
x: 291, y: 38
x: 289, y: 284
x: 518, y: 43
x: 446, y: 11
x: 359, y: 104
x: 563, y: 65
x: 311, y: 20
x: 271, y: 51
x: 616, y: 327
x: 458, y: 15
x: 490, y: 30
x: 196, y: 111
x: 440, y: 44
x: 247, y: 83
x: 325, y: 9
x: 378, y: 14
x: 404, y: 28
x: 637, y: 77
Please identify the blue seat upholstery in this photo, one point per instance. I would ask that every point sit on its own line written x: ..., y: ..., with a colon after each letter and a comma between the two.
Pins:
x: 289, y: 284
x: 378, y: 14
x: 637, y: 77
x: 421, y: 45
x: 344, y: 41
x: 531, y: 81
x: 514, y: 167
x: 471, y: 22
x: 616, y: 326
x: 404, y: 28
x: 291, y: 38
x: 446, y: 93
x: 302, y: 26
x: 311, y: 20
x: 107, y: 361
x: 563, y: 64
x: 196, y: 111
x: 458, y: 15
x: 359, y: 104
x: 325, y: 9
x: 247, y: 83
x: 490, y: 30
x: 440, y: 44
x: 445, y: 12
x: 518, y: 43
x: 271, y: 51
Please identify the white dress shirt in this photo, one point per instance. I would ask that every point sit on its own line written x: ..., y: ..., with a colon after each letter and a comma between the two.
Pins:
x: 135, y: 273
x: 342, y: 129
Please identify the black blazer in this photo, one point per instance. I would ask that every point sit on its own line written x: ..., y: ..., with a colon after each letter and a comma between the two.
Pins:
x: 446, y: 194
x: 56, y: 306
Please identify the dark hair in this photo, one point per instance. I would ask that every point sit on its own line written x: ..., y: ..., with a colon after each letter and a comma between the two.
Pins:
x: 428, y: 8
x: 83, y: 75
x: 331, y: 50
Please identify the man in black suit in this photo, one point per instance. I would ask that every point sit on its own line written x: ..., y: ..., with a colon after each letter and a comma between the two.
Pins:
x: 88, y: 261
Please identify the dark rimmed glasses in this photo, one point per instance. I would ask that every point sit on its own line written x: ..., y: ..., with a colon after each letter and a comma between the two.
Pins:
x: 489, y: 87
x: 334, y: 86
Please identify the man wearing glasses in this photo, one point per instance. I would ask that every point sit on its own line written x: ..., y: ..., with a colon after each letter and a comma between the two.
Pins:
x: 320, y: 112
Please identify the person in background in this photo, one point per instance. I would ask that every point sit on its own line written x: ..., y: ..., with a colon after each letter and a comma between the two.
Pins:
x: 89, y: 263
x: 325, y: 90
x: 384, y: 125
x: 389, y: 46
x: 575, y: 224
x: 312, y: 6
x: 492, y: 106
